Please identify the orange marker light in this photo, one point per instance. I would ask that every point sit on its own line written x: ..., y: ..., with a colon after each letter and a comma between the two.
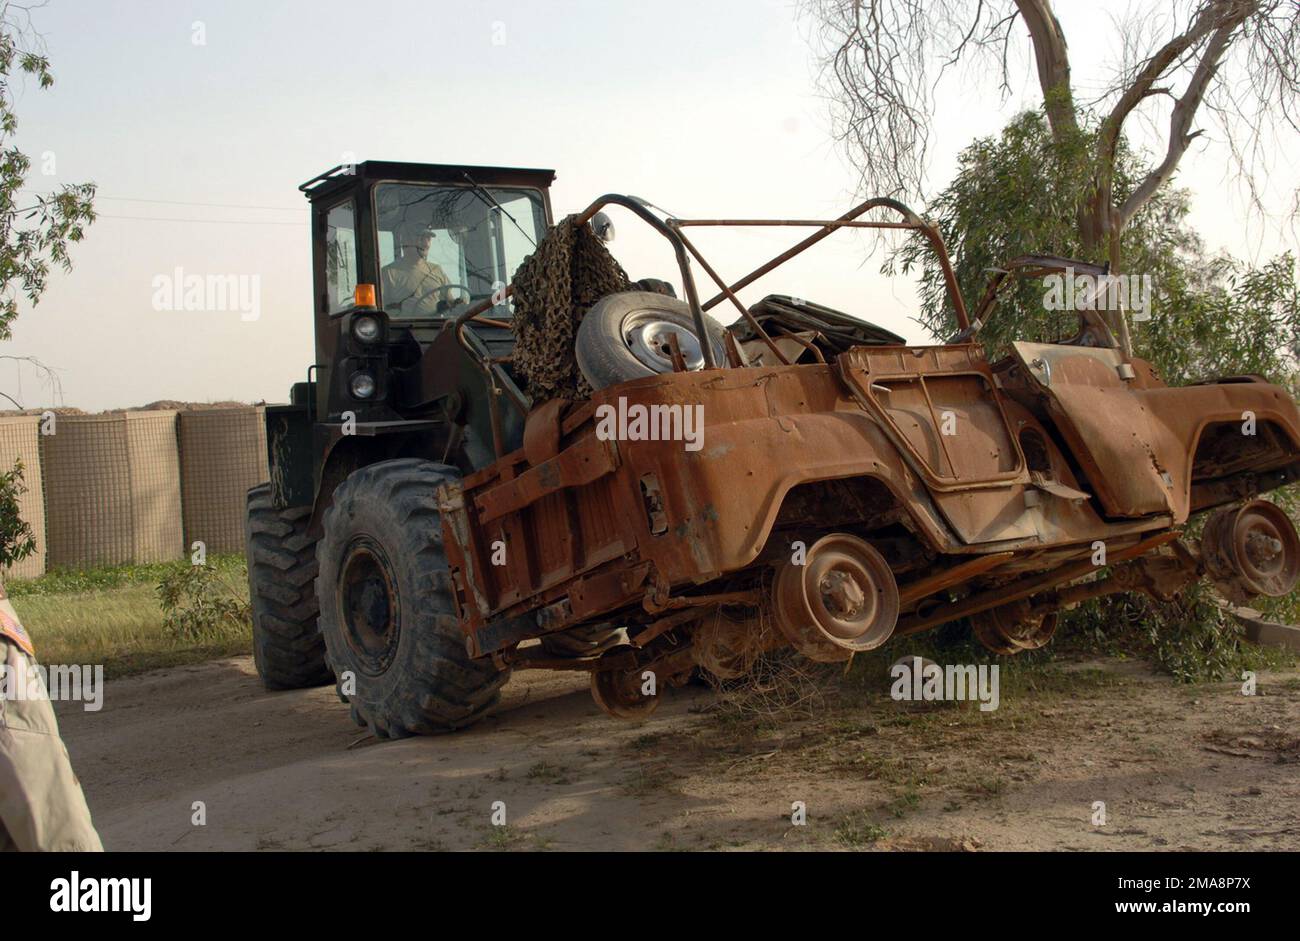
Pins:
x: 365, y: 295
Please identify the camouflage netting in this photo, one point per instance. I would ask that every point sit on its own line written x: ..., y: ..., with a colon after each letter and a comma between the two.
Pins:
x: 570, y: 270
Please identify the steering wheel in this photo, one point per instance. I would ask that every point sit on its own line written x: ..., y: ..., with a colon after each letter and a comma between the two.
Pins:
x: 445, y: 291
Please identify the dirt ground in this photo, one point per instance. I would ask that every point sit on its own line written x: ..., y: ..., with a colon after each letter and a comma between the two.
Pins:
x: 1178, y: 767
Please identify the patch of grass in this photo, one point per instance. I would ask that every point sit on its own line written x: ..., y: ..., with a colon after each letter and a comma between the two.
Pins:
x: 548, y: 773
x: 503, y: 837
x: 987, y: 786
x: 102, y: 578
x: 782, y: 690
x: 648, y: 779
x: 112, y: 616
x: 121, y: 628
x: 908, y: 800
x: 856, y: 830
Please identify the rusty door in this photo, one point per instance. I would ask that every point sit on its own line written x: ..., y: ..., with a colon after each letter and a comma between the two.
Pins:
x: 1106, y: 424
x: 939, y: 406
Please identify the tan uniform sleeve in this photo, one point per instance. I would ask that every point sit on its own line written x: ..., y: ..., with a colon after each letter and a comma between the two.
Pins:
x: 41, y: 803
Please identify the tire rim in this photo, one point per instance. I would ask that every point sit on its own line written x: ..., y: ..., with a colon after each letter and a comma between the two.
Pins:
x: 1252, y: 550
x: 647, y: 334
x: 842, y: 600
x: 1265, y: 549
x: 369, y: 605
x: 1009, y: 629
x: 618, y: 692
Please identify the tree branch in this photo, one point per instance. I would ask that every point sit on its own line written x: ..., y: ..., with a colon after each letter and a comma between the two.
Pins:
x: 1180, y: 121
x: 1053, y: 59
x: 1213, y: 16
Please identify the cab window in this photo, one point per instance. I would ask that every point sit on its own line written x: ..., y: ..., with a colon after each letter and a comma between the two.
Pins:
x: 340, y: 257
x: 441, y: 247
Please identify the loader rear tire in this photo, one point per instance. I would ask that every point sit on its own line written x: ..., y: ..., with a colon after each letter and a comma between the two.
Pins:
x: 387, y: 612
x: 287, y: 646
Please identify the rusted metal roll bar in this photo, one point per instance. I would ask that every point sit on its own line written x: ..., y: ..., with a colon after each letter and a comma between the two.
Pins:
x: 685, y: 250
x: 849, y: 220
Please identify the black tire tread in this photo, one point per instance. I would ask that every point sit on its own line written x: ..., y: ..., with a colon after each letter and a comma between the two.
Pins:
x: 287, y: 647
x: 438, y: 687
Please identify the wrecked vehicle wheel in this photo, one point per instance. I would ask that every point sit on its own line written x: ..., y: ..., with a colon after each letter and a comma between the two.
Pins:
x: 1251, y: 550
x: 618, y: 691
x: 1011, y: 629
x: 629, y: 336
x: 842, y: 600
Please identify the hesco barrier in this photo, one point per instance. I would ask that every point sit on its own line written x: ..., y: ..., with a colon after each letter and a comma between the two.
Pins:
x: 20, y: 441
x: 112, y: 489
x: 223, y: 454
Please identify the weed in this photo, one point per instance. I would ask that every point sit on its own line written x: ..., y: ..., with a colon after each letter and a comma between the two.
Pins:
x: 856, y: 830
x: 200, y: 602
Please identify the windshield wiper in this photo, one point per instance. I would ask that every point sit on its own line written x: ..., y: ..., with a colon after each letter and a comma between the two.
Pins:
x: 484, y: 194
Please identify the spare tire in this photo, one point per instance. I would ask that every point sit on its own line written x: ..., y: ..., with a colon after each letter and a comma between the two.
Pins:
x: 625, y: 336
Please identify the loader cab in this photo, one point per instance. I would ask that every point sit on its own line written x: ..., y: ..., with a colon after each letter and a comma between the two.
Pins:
x: 410, y: 245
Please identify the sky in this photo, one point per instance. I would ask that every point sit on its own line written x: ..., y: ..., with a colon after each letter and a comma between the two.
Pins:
x: 198, y: 120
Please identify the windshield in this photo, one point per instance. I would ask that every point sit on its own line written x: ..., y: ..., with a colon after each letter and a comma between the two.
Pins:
x: 443, y: 247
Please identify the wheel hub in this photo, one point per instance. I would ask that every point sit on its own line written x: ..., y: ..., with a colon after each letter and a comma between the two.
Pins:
x: 648, y: 337
x: 618, y: 691
x: 1262, y: 549
x: 1012, y: 628
x: 1251, y: 550
x: 842, y: 600
x: 368, y: 600
x: 842, y: 595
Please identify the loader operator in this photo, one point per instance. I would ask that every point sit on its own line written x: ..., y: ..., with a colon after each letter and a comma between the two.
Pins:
x: 41, y: 804
x: 414, y: 286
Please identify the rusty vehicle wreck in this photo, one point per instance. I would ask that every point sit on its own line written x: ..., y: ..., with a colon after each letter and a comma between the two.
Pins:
x: 428, y: 521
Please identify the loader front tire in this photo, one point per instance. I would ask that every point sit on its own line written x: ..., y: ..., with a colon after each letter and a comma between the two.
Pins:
x: 287, y: 646
x: 387, y: 612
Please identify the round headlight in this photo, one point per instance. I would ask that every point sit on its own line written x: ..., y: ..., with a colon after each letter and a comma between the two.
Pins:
x: 362, y: 385
x: 366, y: 329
